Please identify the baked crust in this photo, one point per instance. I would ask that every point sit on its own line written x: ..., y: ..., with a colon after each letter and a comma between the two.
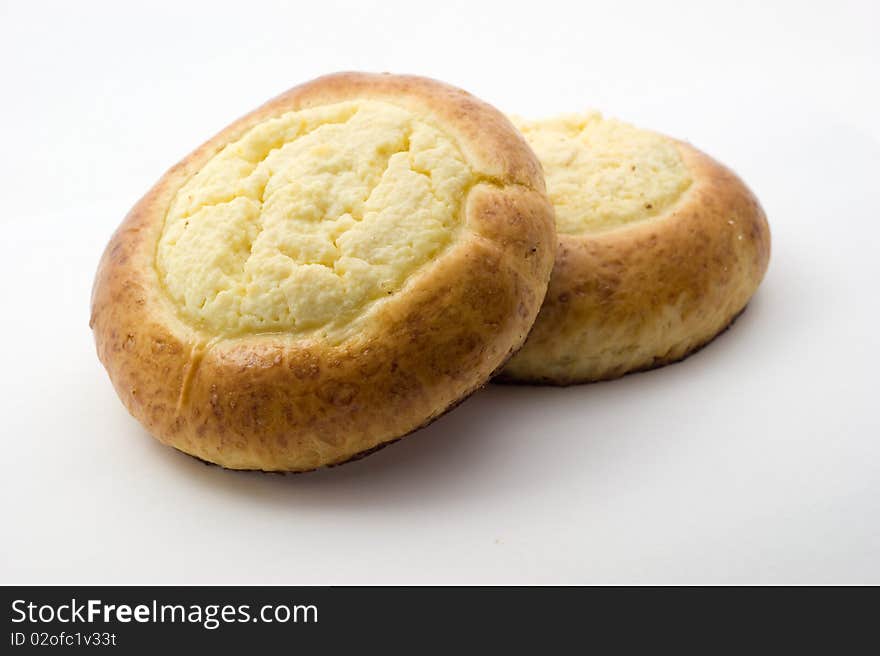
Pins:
x: 280, y: 402
x: 652, y: 292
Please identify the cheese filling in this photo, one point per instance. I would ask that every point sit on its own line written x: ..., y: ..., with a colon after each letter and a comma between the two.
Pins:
x: 310, y: 217
x: 603, y: 174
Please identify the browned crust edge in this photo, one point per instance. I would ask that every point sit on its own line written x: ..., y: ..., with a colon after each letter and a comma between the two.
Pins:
x: 368, y: 452
x: 658, y: 364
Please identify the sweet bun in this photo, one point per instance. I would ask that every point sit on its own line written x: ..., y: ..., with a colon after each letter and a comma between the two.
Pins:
x: 327, y: 274
x: 660, y: 248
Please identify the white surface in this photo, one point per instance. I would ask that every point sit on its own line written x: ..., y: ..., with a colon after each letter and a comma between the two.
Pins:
x: 757, y: 460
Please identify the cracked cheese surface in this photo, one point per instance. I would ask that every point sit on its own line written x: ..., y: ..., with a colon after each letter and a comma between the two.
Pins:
x: 602, y: 173
x: 311, y: 216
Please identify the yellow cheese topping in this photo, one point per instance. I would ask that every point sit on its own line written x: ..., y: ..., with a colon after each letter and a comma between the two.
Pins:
x: 310, y: 217
x: 602, y: 174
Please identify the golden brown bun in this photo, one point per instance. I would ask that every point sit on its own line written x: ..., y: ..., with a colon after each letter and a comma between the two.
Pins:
x: 649, y: 293
x: 287, y: 403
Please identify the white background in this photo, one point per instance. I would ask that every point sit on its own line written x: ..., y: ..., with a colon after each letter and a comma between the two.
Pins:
x: 756, y: 460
